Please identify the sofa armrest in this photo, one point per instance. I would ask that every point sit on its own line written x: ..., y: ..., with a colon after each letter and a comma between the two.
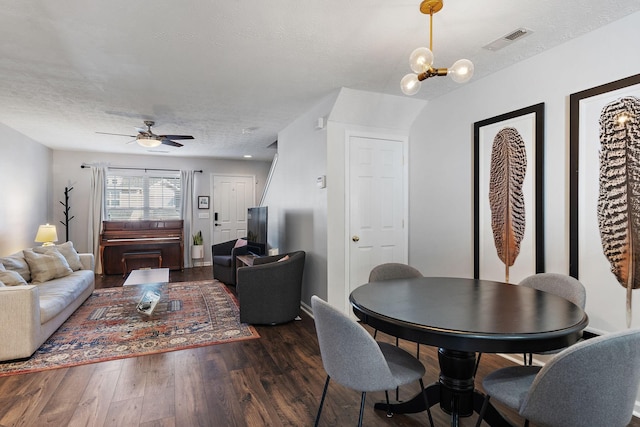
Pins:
x: 20, y: 320
x: 88, y: 261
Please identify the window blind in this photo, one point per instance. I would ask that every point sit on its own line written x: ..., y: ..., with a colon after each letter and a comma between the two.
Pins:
x: 143, y: 195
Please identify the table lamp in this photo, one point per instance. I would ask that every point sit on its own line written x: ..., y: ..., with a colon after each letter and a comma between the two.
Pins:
x: 46, y: 235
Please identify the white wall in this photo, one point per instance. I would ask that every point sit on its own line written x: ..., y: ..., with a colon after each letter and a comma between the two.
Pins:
x: 441, y: 195
x: 68, y: 173
x: 25, y: 173
x: 297, y: 207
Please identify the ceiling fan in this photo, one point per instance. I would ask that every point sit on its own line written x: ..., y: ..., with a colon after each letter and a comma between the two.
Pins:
x: 147, y: 138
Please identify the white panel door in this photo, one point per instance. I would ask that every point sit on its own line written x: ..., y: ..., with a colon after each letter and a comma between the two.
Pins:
x: 377, y: 206
x: 232, y: 196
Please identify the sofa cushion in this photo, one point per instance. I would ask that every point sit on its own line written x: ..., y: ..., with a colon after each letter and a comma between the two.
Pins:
x: 47, y: 266
x: 58, y: 294
x: 11, y: 278
x: 68, y: 252
x: 17, y: 263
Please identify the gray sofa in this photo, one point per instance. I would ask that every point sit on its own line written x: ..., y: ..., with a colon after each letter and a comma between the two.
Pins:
x: 31, y: 312
x: 269, y: 292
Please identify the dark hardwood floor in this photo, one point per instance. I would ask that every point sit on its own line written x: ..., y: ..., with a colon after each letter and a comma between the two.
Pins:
x: 276, y: 380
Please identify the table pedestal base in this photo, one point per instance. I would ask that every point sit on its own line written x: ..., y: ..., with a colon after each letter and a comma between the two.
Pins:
x: 454, y: 391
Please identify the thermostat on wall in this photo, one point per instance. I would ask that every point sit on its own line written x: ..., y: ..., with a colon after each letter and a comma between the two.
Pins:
x: 321, y: 181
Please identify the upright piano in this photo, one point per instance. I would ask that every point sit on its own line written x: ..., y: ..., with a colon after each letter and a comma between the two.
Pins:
x: 126, y: 237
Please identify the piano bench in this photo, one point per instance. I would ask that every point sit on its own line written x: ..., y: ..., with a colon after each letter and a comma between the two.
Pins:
x: 127, y: 256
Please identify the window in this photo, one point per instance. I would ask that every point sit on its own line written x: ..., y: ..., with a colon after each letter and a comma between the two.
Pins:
x: 141, y: 195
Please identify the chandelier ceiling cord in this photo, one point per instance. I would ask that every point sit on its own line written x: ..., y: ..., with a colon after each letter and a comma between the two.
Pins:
x: 421, y: 59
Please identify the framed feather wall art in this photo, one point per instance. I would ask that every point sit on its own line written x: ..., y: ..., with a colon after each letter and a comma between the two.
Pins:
x: 605, y: 200
x: 508, y: 195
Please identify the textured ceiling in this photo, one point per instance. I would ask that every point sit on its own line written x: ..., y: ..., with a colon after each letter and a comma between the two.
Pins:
x: 233, y: 73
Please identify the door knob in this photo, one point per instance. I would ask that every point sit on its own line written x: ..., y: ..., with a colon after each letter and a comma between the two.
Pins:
x: 355, y: 238
x: 217, y: 225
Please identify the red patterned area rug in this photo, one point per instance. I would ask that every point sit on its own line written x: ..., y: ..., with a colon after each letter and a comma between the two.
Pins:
x: 107, y: 326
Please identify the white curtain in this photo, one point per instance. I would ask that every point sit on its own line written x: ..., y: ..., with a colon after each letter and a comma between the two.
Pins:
x: 96, y: 212
x: 187, y: 188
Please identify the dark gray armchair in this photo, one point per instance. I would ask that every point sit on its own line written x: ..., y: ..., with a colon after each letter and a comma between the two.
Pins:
x: 224, y: 260
x: 269, y: 292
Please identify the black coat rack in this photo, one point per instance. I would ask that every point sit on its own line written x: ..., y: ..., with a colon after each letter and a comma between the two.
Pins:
x: 67, y: 218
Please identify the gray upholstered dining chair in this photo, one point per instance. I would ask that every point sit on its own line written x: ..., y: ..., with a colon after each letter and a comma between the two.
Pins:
x: 354, y: 359
x: 390, y: 271
x: 592, y: 383
x: 561, y: 285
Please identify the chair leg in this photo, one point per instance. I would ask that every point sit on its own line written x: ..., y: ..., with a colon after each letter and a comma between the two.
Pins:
x: 324, y: 394
x: 364, y: 396
x: 418, y: 351
x: 389, y: 413
x: 485, y: 404
x: 426, y: 402
x: 375, y: 332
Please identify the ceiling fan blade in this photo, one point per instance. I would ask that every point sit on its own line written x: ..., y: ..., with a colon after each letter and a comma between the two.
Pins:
x: 117, y: 134
x: 171, y: 143
x: 176, y: 136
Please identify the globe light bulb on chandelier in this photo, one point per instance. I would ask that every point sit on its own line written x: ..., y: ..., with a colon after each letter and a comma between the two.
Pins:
x: 421, y: 59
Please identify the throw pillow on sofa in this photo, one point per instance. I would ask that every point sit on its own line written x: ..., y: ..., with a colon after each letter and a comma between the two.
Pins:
x: 18, y: 264
x: 47, y: 266
x: 10, y: 278
x: 68, y: 252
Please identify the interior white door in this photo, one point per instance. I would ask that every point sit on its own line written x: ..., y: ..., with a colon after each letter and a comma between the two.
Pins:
x: 377, y: 206
x: 232, y: 196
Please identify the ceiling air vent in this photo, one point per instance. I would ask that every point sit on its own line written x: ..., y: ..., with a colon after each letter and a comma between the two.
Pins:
x: 507, y: 39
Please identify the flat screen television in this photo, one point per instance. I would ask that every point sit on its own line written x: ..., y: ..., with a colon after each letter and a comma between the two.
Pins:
x: 257, y: 230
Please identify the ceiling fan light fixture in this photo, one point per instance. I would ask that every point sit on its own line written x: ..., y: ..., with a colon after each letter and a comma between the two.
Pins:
x: 148, y: 141
x: 421, y: 59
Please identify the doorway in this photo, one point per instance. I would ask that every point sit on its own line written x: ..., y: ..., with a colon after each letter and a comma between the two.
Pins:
x: 232, y: 196
x: 377, y: 204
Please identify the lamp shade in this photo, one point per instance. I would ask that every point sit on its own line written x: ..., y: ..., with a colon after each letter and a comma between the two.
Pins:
x: 46, y: 235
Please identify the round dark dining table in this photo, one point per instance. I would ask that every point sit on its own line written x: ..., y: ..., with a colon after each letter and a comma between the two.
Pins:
x: 461, y: 317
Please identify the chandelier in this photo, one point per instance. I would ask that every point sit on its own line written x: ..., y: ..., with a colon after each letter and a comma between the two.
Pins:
x: 421, y: 59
